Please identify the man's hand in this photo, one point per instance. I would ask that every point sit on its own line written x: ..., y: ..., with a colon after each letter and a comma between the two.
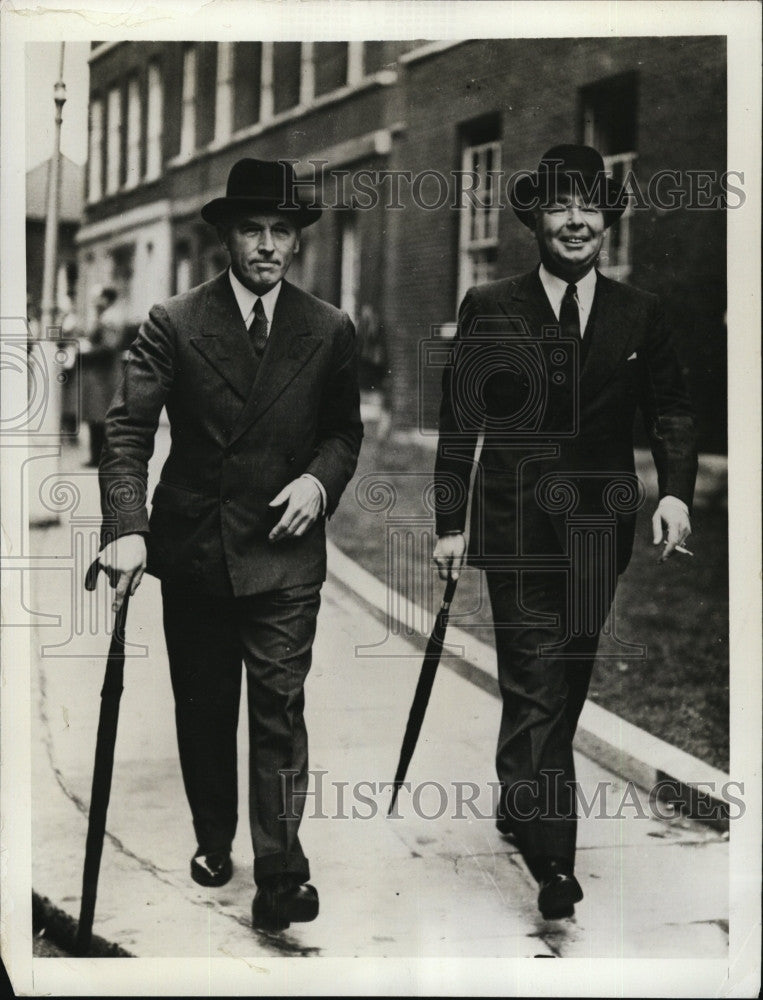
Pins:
x: 302, y: 510
x: 124, y: 561
x: 449, y: 555
x: 673, y: 514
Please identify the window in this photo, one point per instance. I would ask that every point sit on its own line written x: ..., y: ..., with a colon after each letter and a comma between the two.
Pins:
x: 132, y: 176
x: 349, y: 287
x: 113, y: 139
x: 287, y: 67
x: 188, y: 113
x: 308, y: 267
x: 374, y: 58
x: 480, y: 206
x: 183, y: 268
x: 331, y: 61
x: 224, y: 91
x: 610, y: 110
x: 154, y: 112
x: 247, y: 90
x: 95, y: 152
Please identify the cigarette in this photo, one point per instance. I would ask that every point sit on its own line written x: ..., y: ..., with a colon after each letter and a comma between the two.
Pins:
x: 683, y: 551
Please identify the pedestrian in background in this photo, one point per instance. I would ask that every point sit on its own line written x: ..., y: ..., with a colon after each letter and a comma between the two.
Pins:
x: 558, y: 436
x: 100, y: 368
x: 260, y: 384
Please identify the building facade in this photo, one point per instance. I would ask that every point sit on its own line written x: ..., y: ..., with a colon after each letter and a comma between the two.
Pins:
x: 412, y: 145
x: 69, y: 216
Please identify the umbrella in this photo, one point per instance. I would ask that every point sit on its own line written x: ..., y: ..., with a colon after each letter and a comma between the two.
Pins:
x: 111, y: 692
x: 423, y: 688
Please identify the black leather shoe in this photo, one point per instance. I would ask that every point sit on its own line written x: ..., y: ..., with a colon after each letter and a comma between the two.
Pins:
x: 211, y: 870
x: 275, y: 908
x: 559, y: 891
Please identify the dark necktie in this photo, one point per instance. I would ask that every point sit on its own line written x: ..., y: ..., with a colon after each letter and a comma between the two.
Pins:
x: 569, y: 315
x: 258, y: 330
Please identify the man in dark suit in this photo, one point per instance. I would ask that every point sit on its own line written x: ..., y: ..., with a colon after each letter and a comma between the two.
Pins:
x: 259, y: 380
x: 551, y: 367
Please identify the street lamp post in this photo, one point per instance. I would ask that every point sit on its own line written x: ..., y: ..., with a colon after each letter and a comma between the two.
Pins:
x: 45, y: 352
x: 49, y: 305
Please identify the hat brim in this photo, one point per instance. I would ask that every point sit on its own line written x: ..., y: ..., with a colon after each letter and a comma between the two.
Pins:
x: 528, y: 193
x: 224, y: 209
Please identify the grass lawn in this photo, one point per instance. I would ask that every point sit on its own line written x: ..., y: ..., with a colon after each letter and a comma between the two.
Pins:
x: 679, y: 609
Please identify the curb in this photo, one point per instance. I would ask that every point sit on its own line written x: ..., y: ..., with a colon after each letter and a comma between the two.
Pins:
x: 678, y: 780
x: 61, y: 928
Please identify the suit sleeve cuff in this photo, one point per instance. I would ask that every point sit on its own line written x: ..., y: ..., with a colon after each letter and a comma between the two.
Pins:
x: 321, y: 487
x: 671, y: 500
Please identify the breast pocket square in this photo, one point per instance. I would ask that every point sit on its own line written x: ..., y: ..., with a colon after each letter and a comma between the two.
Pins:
x: 632, y: 357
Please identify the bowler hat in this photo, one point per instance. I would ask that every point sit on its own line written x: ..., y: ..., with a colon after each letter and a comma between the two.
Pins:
x: 261, y: 185
x: 561, y: 168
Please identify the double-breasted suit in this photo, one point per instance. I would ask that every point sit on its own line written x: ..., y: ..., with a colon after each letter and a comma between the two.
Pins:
x: 553, y: 504
x: 242, y: 428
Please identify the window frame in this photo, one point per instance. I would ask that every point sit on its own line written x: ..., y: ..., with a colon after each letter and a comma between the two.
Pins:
x: 188, y: 94
x: 487, y: 217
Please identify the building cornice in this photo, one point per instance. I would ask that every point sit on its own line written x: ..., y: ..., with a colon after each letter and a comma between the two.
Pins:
x: 102, y: 50
x: 430, y: 49
x: 377, y: 143
x: 383, y: 78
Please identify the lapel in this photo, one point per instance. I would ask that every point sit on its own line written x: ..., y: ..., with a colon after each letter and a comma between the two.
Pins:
x: 527, y: 299
x: 611, y: 334
x: 224, y: 340
x: 290, y: 347
x: 612, y: 337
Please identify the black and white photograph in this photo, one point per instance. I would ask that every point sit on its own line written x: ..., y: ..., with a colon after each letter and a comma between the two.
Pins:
x: 381, y: 499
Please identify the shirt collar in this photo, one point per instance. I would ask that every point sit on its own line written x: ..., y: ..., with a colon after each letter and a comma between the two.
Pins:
x: 556, y: 287
x: 246, y: 298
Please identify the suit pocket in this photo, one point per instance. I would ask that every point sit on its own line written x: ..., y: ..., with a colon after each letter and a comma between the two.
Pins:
x: 180, y: 500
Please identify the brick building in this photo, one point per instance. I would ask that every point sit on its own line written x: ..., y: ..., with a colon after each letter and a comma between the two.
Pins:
x: 168, y: 119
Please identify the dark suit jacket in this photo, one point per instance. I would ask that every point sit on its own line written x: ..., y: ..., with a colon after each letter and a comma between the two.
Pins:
x: 558, y: 434
x: 240, y: 433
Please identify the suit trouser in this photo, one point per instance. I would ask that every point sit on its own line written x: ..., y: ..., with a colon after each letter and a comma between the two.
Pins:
x: 543, y: 692
x: 207, y: 639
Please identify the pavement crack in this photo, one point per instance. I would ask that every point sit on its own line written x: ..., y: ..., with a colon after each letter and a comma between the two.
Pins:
x: 278, y: 944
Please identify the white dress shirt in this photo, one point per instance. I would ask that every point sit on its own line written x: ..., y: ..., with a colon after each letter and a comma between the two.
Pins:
x: 556, y: 287
x: 247, y: 300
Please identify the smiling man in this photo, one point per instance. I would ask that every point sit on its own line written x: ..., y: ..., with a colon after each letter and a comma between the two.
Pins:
x: 550, y: 366
x: 259, y: 381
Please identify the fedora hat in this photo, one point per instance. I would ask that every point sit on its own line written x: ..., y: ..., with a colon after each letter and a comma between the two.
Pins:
x: 561, y: 168
x: 258, y: 186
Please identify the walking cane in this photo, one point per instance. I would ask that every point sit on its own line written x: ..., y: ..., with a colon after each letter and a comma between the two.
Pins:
x: 103, y: 767
x: 423, y: 689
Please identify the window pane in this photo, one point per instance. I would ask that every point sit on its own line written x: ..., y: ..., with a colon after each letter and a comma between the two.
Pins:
x: 286, y: 75
x: 373, y: 57
x: 330, y: 60
x: 247, y: 70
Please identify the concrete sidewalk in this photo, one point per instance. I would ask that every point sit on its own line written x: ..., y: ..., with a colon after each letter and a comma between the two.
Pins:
x: 447, y: 886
